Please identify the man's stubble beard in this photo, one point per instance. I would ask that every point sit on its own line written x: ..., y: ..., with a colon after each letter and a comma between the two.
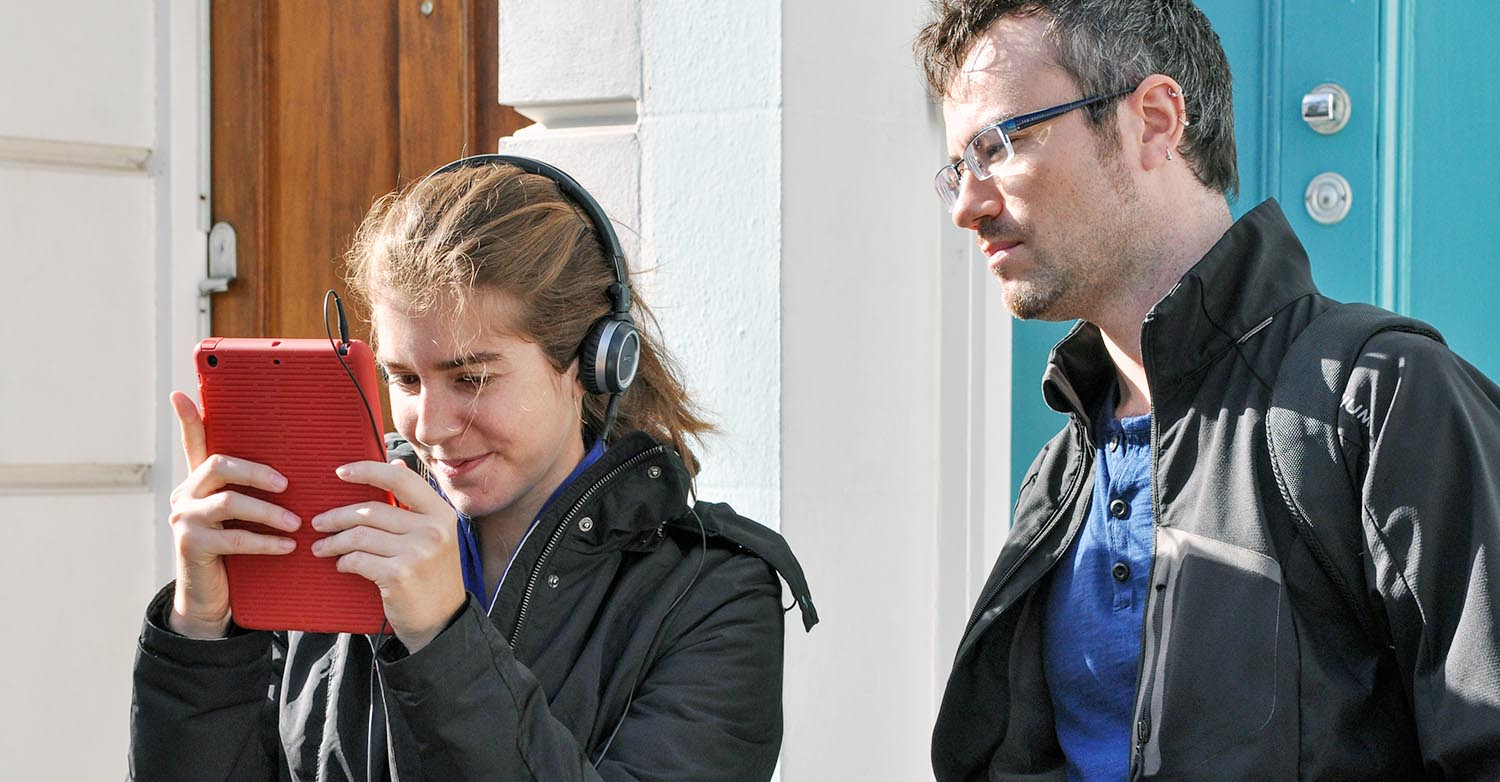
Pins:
x: 1067, y: 288
x: 1037, y: 295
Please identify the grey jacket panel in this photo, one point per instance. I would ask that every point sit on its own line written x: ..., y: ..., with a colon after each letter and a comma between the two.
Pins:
x: 1252, y: 667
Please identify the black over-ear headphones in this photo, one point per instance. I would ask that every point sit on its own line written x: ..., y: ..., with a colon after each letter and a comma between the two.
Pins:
x: 610, y: 354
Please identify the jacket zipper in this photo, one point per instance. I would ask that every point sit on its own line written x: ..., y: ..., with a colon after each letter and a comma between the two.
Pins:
x: 1141, y: 727
x: 557, y: 533
x: 1069, y: 501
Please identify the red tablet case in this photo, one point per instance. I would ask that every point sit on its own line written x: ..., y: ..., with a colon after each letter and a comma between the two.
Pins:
x: 289, y: 404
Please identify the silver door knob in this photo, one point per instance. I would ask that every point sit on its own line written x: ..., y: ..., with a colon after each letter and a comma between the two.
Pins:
x: 1326, y: 108
x: 1328, y: 198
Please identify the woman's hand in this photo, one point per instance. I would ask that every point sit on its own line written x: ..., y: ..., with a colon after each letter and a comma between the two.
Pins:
x: 200, y: 506
x: 410, y: 552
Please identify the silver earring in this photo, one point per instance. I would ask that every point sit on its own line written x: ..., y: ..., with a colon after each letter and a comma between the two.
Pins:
x: 1169, y: 153
x: 1184, y: 121
x: 1173, y: 92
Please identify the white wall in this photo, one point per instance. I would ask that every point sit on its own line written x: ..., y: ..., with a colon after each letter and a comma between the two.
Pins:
x: 669, y: 113
x: 776, y: 159
x: 863, y: 441
x: 98, y: 209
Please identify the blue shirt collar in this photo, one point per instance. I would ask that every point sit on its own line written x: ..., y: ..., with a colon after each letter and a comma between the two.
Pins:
x: 468, y: 544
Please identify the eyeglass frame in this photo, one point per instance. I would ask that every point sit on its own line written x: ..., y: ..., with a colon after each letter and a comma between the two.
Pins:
x: 948, y: 185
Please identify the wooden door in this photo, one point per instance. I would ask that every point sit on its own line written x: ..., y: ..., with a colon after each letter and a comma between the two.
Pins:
x: 317, y: 110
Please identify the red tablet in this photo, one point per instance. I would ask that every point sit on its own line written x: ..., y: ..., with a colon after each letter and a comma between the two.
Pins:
x: 290, y: 404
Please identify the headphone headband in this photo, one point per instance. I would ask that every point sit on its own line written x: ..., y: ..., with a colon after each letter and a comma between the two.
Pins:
x: 619, y: 293
x: 611, y: 351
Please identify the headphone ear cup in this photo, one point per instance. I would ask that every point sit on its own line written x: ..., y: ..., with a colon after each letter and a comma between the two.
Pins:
x: 609, y: 356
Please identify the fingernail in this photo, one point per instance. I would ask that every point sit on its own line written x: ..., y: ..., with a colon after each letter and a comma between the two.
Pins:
x: 278, y: 482
x: 317, y: 522
x: 317, y: 547
x: 342, y: 471
x: 290, y: 520
x: 286, y: 544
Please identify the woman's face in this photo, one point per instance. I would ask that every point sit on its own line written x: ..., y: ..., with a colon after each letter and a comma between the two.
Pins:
x: 496, y: 423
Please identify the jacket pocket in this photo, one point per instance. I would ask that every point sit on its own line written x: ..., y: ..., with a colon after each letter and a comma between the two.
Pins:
x: 1219, y: 664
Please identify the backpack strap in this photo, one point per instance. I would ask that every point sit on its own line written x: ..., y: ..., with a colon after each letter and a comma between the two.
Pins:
x: 1307, y: 457
x: 720, y: 522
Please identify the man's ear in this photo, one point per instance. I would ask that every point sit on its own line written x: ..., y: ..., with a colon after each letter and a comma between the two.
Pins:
x: 1159, y: 111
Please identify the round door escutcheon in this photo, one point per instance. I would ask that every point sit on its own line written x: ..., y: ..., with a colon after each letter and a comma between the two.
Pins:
x: 1326, y: 108
x: 1328, y: 198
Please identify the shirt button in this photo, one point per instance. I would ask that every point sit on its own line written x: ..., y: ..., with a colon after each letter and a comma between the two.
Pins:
x: 1119, y: 508
x: 1114, y: 441
x: 1121, y: 572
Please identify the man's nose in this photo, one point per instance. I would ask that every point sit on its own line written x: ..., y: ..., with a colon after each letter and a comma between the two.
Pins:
x: 978, y: 200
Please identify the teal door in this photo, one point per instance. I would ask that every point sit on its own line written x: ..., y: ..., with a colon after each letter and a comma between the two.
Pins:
x: 1420, y: 153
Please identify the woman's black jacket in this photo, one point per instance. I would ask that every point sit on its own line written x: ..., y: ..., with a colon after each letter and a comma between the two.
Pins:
x: 616, y: 627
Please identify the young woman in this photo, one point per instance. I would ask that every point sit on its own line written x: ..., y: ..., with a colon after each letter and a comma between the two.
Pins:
x: 558, y: 608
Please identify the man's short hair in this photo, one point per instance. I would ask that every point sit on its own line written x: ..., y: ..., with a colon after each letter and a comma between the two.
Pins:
x: 1109, y: 45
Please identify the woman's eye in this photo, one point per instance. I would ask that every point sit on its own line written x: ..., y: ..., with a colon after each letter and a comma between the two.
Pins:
x: 474, y: 381
x: 403, y: 381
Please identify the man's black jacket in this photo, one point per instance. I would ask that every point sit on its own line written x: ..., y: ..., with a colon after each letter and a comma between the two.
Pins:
x: 1252, y: 666
x: 533, y: 692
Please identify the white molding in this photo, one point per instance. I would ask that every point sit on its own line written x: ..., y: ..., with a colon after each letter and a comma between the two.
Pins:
x: 17, y: 150
x: 72, y: 478
x: 556, y: 115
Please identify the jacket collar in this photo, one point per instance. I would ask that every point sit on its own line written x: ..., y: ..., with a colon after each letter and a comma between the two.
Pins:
x: 633, y: 487
x: 1255, y: 269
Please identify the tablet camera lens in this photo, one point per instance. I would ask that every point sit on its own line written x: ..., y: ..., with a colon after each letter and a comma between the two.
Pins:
x: 213, y: 361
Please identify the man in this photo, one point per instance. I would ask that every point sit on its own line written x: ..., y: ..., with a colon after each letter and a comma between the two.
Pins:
x: 1156, y: 613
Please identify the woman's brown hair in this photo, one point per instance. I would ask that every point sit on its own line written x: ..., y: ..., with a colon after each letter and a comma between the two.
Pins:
x: 495, y: 227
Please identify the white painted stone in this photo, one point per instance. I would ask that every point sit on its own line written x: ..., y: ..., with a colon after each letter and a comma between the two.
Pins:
x: 606, y: 161
x: 861, y: 384
x: 78, y: 270
x: 568, y: 51
x: 711, y: 57
x: 77, y: 70
x: 76, y: 570
x: 789, y: 237
x: 713, y: 234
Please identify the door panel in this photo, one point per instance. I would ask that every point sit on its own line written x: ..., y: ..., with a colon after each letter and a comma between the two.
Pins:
x: 1450, y: 270
x: 1330, y: 42
x: 333, y: 119
x: 318, y: 109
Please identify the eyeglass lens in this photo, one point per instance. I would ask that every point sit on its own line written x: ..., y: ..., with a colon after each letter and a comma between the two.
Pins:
x: 983, y: 156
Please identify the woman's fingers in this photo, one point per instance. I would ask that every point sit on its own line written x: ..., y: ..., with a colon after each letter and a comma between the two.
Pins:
x: 410, y: 552
x: 218, y: 471
x: 374, y: 567
x: 378, y: 515
x: 213, y: 542
x: 363, y: 538
x: 410, y: 489
x: 224, y: 506
x: 194, y: 444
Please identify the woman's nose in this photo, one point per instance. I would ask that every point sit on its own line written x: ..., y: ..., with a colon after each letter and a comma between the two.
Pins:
x: 436, y: 417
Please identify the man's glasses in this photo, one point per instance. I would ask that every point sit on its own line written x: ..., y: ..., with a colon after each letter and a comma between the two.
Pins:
x: 991, y: 148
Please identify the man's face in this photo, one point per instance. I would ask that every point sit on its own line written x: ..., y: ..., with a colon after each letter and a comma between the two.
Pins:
x: 1054, y: 221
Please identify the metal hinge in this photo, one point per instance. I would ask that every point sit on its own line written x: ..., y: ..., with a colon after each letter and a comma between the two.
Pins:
x: 222, y: 260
